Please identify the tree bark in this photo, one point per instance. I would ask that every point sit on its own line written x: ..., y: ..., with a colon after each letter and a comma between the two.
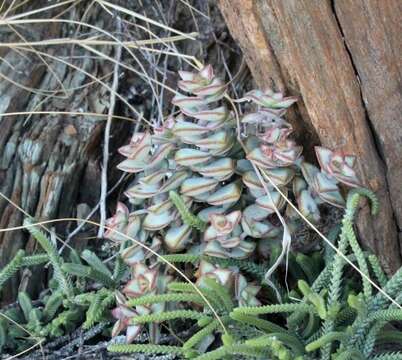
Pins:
x: 50, y: 164
x: 341, y: 59
x: 46, y: 161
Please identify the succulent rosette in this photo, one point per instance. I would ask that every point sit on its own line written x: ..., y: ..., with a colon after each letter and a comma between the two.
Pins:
x: 225, y: 211
x: 243, y: 292
x: 197, y: 155
x: 338, y: 165
x: 225, y: 237
x: 144, y: 281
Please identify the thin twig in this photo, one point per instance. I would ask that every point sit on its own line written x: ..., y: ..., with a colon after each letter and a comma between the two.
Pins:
x: 93, y: 211
x: 107, y: 136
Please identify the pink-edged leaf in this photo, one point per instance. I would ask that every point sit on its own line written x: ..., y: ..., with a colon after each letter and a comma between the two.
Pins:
x: 187, y: 75
x: 133, y: 255
x: 277, y: 201
x: 133, y: 226
x: 225, y: 195
x: 132, y: 332
x: 132, y: 166
x: 308, y: 206
x: 204, y: 268
x: 285, y: 103
x: 216, y: 141
x: 189, y: 85
x: 230, y: 242
x: 197, y: 185
x: 298, y: 185
x: 251, y: 180
x: 215, y: 249
x: 139, y: 147
x: 174, y: 181
x: 160, y: 205
x: 189, y: 157
x: 118, y: 327
x: 350, y: 179
x: 220, y: 169
x: 207, y: 72
x: 333, y: 197
x: 176, y: 238
x: 188, y: 102
x: 216, y: 89
x: 255, y: 213
x: 225, y: 224
x: 210, y: 234
x: 205, y: 213
x: 161, y: 154
x: 154, y: 222
x: 324, y: 183
x: 243, y: 250
x: 213, y: 115
x: 223, y: 150
x: 258, y: 229
x: 269, y: 99
x: 324, y: 157
x: 288, y: 156
x: 266, y: 118
x: 263, y: 159
x: 155, y: 177
x: 185, y: 128
x: 309, y: 172
x: 275, y: 134
x: 133, y: 288
x: 280, y: 176
x: 142, y: 191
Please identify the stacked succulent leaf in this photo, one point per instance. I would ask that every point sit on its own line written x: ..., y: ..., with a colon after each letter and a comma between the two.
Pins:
x: 196, y: 191
x: 326, y: 316
x: 202, y: 197
x: 81, y: 293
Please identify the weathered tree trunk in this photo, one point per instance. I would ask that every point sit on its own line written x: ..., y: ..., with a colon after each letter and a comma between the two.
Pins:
x: 342, y: 59
x: 46, y: 161
x: 50, y: 163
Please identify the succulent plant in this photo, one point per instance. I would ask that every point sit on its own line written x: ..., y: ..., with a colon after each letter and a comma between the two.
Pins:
x: 243, y: 292
x: 195, y: 187
x: 144, y: 281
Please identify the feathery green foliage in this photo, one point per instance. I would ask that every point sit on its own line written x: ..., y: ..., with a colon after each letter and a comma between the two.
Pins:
x: 168, y: 315
x: 161, y: 298
x: 187, y: 217
x: 60, y: 311
x: 320, y: 325
x: 376, y: 267
x: 145, y: 348
x: 195, y: 164
x: 12, y: 267
x: 88, y: 272
x: 51, y: 250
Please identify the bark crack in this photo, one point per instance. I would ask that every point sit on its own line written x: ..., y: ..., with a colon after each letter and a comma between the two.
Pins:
x: 373, y: 133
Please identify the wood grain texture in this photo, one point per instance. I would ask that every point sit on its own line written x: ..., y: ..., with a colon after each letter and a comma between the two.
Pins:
x: 372, y: 30
x: 252, y: 37
x: 45, y: 159
x: 306, y: 51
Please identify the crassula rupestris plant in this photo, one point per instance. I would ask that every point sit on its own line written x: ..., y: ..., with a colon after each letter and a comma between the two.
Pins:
x: 195, y: 189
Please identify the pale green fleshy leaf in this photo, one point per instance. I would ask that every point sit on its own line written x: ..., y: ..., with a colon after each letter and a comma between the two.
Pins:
x: 174, y: 181
x: 226, y: 194
x: 190, y: 157
x: 197, y: 185
x: 153, y: 222
x: 176, y: 238
x: 220, y: 169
